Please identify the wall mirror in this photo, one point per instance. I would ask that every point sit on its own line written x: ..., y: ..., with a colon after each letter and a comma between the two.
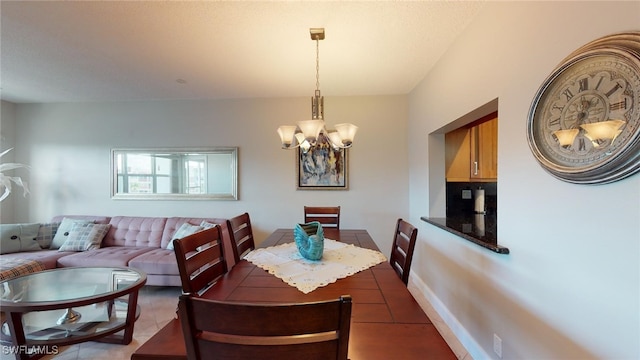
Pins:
x: 175, y: 173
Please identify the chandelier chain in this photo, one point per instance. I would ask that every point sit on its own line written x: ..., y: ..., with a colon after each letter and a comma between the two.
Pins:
x: 317, y: 64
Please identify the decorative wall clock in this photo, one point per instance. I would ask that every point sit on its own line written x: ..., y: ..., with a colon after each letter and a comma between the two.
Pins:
x: 584, y: 123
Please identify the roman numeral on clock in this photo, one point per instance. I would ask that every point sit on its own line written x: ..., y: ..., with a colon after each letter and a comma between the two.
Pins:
x: 619, y: 105
x: 568, y: 94
x: 614, y: 89
x: 584, y: 84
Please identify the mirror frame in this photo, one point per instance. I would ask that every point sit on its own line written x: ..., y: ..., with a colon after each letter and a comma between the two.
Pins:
x: 233, y: 195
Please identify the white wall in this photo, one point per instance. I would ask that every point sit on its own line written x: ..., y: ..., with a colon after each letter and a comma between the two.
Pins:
x: 68, y: 147
x: 570, y: 289
x: 7, y: 141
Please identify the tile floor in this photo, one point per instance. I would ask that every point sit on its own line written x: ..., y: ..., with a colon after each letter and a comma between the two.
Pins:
x: 158, y: 307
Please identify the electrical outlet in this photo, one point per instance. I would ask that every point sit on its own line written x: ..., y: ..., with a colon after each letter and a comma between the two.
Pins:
x: 466, y: 194
x: 497, y: 345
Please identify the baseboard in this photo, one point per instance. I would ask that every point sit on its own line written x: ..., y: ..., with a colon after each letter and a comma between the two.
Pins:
x: 459, y: 340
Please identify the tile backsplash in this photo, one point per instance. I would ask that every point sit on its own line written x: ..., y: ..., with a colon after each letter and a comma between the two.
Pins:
x: 457, y: 204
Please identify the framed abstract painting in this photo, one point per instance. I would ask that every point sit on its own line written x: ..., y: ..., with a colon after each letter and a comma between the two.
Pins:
x: 322, y: 168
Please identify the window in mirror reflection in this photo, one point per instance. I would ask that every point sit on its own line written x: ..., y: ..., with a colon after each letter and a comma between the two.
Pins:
x: 207, y: 173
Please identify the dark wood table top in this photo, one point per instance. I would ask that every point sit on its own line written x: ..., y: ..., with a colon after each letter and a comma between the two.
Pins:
x: 386, y: 321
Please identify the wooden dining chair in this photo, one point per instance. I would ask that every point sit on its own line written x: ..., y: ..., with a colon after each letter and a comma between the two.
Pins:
x: 404, y: 241
x: 229, y: 330
x: 327, y: 216
x: 241, y: 235
x: 200, y: 258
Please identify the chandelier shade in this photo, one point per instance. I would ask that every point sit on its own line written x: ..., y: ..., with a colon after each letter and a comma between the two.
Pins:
x: 287, y: 133
x: 309, y: 133
x: 347, y: 132
x: 311, y: 129
x: 566, y: 137
x: 603, y: 130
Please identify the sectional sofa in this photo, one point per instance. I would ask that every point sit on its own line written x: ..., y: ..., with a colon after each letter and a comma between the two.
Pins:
x: 138, y: 242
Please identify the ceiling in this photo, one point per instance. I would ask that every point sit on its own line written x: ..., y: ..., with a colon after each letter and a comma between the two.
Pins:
x: 79, y: 51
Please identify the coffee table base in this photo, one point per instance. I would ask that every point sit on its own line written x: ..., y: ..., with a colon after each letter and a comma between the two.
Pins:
x: 22, y: 347
x: 70, y: 316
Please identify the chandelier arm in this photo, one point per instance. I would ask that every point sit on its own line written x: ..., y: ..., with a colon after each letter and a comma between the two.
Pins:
x: 291, y: 147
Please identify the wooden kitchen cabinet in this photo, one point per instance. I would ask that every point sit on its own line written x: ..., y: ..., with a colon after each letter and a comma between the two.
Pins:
x: 484, y: 150
x: 471, y: 152
x: 458, y: 155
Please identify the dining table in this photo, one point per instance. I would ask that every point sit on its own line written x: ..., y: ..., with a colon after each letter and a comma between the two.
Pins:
x: 386, y: 321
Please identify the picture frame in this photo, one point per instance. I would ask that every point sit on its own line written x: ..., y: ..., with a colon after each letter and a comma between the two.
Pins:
x: 322, y: 168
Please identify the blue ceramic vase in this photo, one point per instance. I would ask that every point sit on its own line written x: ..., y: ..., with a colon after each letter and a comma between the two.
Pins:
x: 309, y: 240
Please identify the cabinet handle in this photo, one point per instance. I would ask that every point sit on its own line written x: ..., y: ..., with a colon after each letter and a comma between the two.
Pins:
x: 475, y: 168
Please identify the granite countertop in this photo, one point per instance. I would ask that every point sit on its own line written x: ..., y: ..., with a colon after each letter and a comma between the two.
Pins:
x: 481, y: 229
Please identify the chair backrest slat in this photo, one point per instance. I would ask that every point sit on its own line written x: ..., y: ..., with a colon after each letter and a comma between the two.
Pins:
x: 404, y: 242
x: 271, y: 340
x: 328, y: 216
x: 216, y: 329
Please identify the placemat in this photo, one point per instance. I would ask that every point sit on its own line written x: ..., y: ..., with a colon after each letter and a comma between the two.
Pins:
x: 339, y: 260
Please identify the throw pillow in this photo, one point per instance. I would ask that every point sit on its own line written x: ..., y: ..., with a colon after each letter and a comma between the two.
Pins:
x: 46, y: 233
x: 207, y: 225
x: 18, y: 237
x: 63, y: 231
x: 185, y: 229
x: 83, y: 237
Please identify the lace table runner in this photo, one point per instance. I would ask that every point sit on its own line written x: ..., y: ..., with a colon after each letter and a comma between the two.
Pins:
x: 339, y: 260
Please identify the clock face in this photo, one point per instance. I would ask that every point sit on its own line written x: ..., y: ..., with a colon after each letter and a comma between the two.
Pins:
x: 584, y: 123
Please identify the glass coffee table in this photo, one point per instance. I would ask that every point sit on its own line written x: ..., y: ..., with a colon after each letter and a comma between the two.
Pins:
x: 64, y: 306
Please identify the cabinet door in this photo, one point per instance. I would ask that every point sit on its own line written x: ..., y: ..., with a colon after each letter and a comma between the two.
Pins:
x: 484, y: 150
x: 457, y: 155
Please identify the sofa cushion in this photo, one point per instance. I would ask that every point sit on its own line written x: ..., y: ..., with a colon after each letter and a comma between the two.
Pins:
x: 18, y: 237
x: 63, y: 231
x: 135, y: 231
x: 83, y: 237
x: 48, y: 258
x: 46, y: 232
x: 157, y: 261
x: 106, y: 256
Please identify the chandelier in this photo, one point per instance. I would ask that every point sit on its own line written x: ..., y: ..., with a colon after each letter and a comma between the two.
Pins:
x: 309, y: 133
